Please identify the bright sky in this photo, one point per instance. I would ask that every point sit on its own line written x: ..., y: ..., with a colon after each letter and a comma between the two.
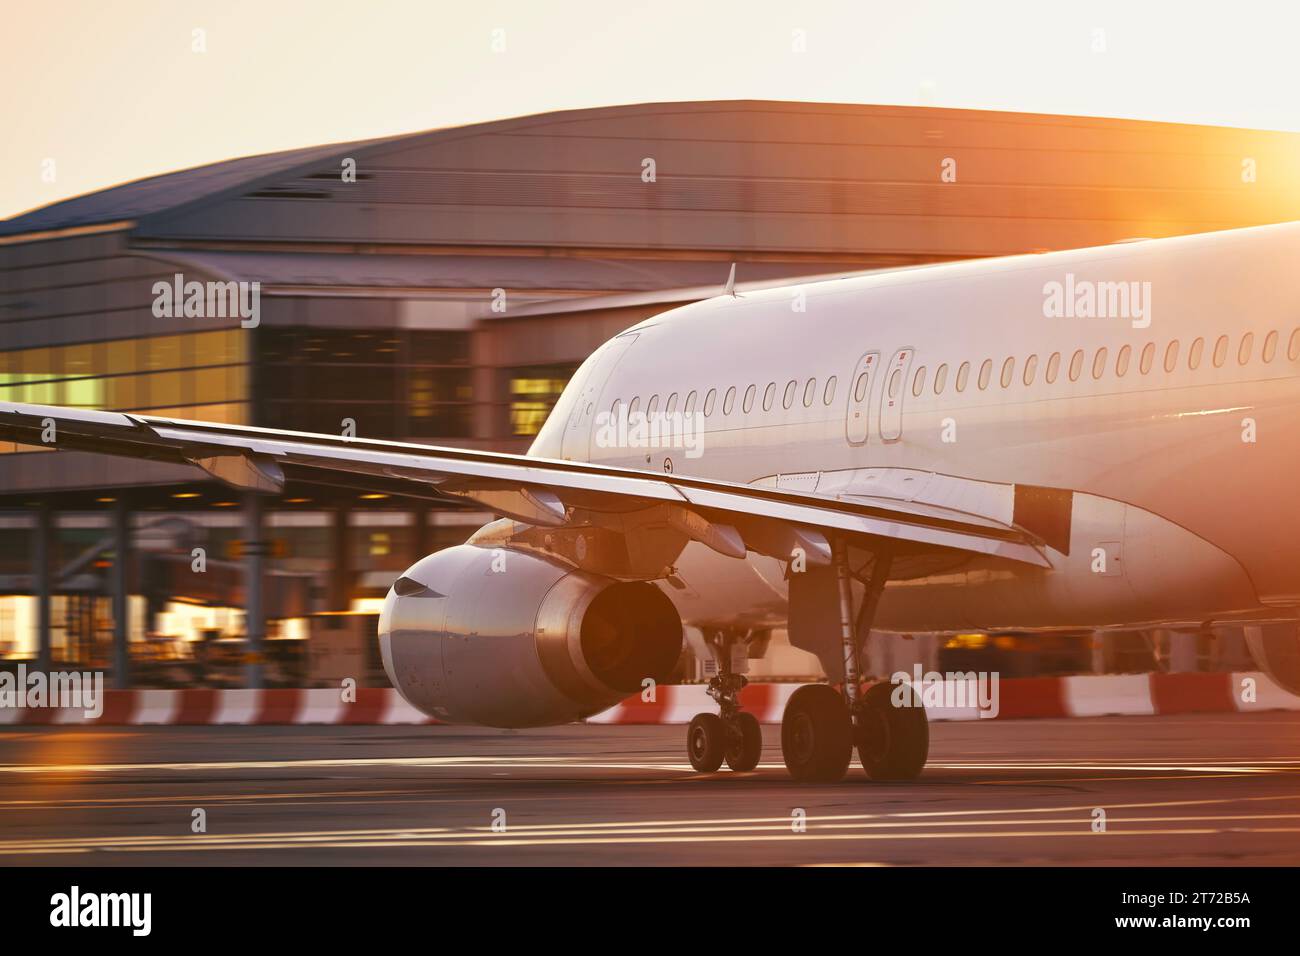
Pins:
x: 114, y: 91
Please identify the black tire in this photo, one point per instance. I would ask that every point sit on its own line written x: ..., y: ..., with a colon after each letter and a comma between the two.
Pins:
x: 744, y: 743
x: 706, y: 742
x: 816, y: 735
x: 893, y: 742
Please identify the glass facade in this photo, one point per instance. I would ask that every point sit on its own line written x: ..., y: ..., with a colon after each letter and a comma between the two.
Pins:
x: 394, y: 383
x: 198, y: 375
x: 534, y: 390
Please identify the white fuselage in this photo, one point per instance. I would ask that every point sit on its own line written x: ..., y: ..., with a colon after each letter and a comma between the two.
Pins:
x: 1173, y: 418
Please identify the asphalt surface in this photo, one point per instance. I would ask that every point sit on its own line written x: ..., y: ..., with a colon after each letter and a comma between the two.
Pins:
x: 1192, y: 790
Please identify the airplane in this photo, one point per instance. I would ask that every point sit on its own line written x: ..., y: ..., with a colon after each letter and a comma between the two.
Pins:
x: 1078, y: 440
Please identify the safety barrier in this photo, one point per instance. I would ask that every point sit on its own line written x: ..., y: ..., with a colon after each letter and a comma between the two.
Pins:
x: 1081, y: 696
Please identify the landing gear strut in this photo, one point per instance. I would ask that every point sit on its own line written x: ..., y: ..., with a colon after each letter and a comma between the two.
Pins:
x: 732, y: 734
x: 821, y: 727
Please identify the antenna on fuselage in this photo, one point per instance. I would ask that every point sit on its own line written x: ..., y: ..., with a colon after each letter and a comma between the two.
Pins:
x: 730, y: 287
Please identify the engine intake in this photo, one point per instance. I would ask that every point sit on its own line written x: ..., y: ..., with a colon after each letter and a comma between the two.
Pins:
x: 511, y: 639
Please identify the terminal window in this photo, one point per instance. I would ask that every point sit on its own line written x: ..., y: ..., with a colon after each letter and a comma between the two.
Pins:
x: 197, y: 375
x: 392, y: 383
x: 534, y: 390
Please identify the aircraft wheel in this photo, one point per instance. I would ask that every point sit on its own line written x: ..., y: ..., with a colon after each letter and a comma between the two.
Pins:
x: 893, y: 741
x: 744, y: 743
x: 816, y: 734
x: 706, y: 742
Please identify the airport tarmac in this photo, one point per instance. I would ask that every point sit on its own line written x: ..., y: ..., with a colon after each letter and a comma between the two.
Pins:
x: 1215, y: 790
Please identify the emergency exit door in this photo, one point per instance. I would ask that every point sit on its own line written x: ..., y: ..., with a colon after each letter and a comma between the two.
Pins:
x: 857, y: 420
x: 893, y: 394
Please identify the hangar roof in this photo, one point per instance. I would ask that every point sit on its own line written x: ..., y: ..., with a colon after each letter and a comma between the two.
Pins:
x: 144, y: 197
x: 810, y: 180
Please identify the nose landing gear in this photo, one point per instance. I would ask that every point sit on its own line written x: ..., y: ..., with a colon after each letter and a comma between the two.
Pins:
x: 732, y: 734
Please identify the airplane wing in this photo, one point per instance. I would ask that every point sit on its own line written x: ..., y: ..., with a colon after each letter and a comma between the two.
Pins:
x: 729, y: 517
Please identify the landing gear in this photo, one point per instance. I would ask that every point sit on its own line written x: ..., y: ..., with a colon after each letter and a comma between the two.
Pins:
x: 821, y: 727
x: 706, y: 743
x: 816, y: 734
x: 745, y: 744
x: 891, y: 733
x: 732, y: 735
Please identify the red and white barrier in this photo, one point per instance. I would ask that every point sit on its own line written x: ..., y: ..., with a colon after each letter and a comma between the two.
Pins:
x: 201, y: 706
x: 1082, y: 696
x: 1019, y: 697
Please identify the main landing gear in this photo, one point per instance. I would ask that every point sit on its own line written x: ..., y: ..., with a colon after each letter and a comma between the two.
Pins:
x: 887, y: 725
x: 732, y: 735
x: 822, y: 726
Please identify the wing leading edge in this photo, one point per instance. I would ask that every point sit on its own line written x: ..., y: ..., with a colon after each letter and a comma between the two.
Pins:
x: 729, y: 517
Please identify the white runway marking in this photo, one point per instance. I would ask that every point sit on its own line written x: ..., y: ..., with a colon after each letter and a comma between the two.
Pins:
x: 1201, y: 766
x: 1020, y: 823
x: 509, y: 763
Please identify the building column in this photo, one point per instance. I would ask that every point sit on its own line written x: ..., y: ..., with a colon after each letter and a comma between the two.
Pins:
x: 929, y: 646
x: 121, y: 609
x: 42, y: 535
x: 253, y: 552
x: 1101, y: 642
x: 340, y: 591
x: 1183, y: 653
x: 420, y: 534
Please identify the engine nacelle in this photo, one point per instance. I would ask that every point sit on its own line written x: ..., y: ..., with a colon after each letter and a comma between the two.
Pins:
x: 1276, y: 650
x: 512, y: 639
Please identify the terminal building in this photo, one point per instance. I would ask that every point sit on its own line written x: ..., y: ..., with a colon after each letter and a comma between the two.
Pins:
x: 440, y: 287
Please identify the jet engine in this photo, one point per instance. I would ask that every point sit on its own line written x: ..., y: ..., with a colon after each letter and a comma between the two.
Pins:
x: 1276, y: 650
x: 508, y: 638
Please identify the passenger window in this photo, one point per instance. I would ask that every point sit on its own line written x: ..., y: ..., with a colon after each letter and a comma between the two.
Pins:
x: 613, y: 409
x: 690, y: 403
x: 1220, y: 351
x: 1076, y: 365
x: 1194, y: 354
x: 652, y: 406
x: 1123, y: 360
x: 672, y: 404
x: 829, y: 395
x: 1008, y: 370
x: 1031, y: 368
x: 1171, y: 356
x: 769, y: 396
x: 963, y: 373
x: 986, y: 372
x: 709, y: 401
x: 1246, y: 348
x: 918, y: 382
x: 895, y: 382
x: 1099, y: 362
x: 634, y: 407
x: 809, y: 392
x: 1270, y: 346
x: 1293, y: 347
x: 940, y: 378
x: 788, y: 398
x: 1053, y: 367
x: 729, y: 402
x: 749, y: 398
x: 1148, y: 357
